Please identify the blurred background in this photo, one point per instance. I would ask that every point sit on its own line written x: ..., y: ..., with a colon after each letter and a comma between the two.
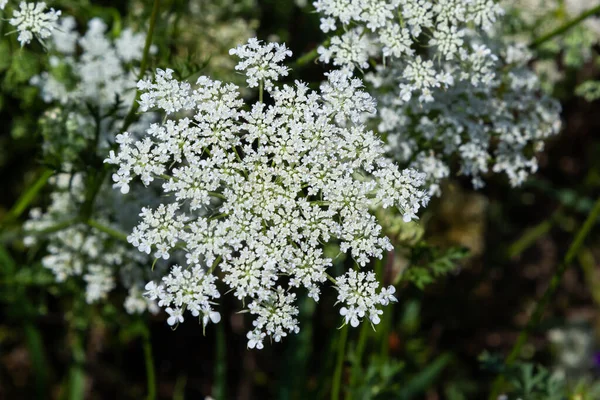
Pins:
x: 467, y: 281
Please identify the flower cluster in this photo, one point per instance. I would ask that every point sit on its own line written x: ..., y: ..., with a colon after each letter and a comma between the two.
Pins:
x: 99, y: 67
x: 498, y: 126
x: 88, y: 77
x: 85, y: 252
x: 447, y: 87
x: 358, y: 290
x: 429, y: 42
x: 252, y: 194
x: 32, y: 20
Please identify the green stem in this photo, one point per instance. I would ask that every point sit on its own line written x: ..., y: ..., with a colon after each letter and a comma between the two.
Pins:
x: 548, y: 294
x: 28, y: 196
x: 77, y: 373
x: 10, y: 236
x: 108, y: 230
x: 360, y: 348
x: 143, y: 64
x: 149, y: 362
x: 220, y: 389
x: 565, y: 27
x: 261, y: 89
x: 339, y: 364
x: 530, y: 236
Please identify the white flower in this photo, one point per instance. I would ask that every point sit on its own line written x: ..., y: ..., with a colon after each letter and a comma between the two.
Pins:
x: 358, y: 292
x: 255, y: 192
x: 261, y: 63
x: 255, y: 340
x: 32, y: 20
x: 175, y: 316
x: 328, y: 24
x: 395, y: 28
x: 3, y: 4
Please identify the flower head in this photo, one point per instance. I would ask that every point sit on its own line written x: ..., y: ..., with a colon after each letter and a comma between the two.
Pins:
x: 32, y: 20
x: 255, y: 192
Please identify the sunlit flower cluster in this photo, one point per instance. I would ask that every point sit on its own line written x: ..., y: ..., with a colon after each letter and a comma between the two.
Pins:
x: 496, y: 127
x: 252, y: 193
x: 430, y: 43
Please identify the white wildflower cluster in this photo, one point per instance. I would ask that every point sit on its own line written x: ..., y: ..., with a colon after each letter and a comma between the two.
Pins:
x: 99, y: 68
x: 32, y: 20
x: 358, y: 290
x: 84, y: 253
x: 261, y: 63
x: 431, y: 44
x: 253, y: 193
x: 87, y: 75
x: 495, y: 127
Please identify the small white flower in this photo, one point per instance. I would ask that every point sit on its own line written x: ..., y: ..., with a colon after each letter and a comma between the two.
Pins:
x: 32, y: 20
x: 255, y: 340
x: 175, y: 316
x: 328, y: 24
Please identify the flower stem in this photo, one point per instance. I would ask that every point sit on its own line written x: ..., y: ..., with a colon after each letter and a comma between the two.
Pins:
x: 27, y: 197
x: 565, y: 27
x: 149, y: 361
x: 10, y: 236
x: 108, y: 230
x: 337, y: 375
x: 358, y: 353
x: 261, y: 89
x: 548, y: 294
x: 144, y: 63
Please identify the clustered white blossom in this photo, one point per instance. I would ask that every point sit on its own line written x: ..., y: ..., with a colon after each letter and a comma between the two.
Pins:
x: 100, y: 66
x: 32, y: 20
x: 82, y: 252
x: 498, y: 127
x: 359, y: 291
x: 253, y: 193
x: 430, y: 43
x: 447, y: 88
x: 99, y: 73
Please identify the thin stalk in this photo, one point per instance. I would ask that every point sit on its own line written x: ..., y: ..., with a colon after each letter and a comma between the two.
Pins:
x: 92, y: 191
x: 220, y: 389
x: 28, y: 196
x: 358, y: 353
x: 149, y: 362
x: 108, y: 230
x: 565, y: 27
x: 339, y: 364
x: 530, y: 236
x: 144, y: 63
x: 548, y: 294
x: 10, y: 236
x: 261, y: 89
x: 76, y: 372
x: 306, y: 58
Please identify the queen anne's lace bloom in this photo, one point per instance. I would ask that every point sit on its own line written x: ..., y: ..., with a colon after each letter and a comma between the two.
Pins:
x: 262, y: 63
x: 496, y: 122
x: 358, y: 291
x: 81, y: 251
x: 255, y: 192
x: 397, y: 29
x: 32, y: 20
x: 448, y: 89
